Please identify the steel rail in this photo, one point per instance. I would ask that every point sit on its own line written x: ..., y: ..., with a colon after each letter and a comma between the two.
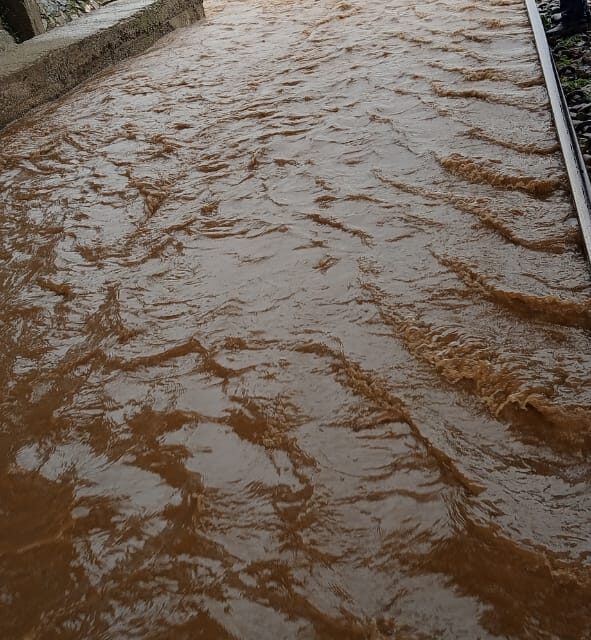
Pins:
x: 567, y: 137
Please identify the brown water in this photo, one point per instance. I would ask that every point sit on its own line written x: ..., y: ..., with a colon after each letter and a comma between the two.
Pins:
x: 295, y: 338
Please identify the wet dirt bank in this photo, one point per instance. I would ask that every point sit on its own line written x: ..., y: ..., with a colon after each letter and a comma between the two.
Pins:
x: 295, y: 337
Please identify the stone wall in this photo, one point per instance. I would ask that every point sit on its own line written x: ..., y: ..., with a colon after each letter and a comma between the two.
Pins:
x: 55, y: 13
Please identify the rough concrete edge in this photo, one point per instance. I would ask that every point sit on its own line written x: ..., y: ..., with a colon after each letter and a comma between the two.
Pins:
x: 58, y: 71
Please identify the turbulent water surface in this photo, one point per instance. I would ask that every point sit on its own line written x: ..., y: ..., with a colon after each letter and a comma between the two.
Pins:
x: 295, y: 337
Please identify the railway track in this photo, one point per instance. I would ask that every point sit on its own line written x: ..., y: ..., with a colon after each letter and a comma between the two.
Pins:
x: 567, y: 137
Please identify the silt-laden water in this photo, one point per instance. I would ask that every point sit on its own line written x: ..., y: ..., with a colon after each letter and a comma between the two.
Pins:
x: 295, y: 337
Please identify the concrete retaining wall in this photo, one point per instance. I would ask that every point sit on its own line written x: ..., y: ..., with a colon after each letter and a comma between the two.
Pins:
x: 47, y: 66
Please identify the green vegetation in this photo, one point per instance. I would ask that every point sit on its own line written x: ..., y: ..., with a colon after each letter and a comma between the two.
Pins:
x: 570, y: 84
x: 572, y: 41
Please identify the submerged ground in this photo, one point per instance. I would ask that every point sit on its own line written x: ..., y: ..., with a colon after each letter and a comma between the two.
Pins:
x: 295, y: 337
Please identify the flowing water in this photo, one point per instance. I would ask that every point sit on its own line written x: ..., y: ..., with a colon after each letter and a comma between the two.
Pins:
x: 295, y: 337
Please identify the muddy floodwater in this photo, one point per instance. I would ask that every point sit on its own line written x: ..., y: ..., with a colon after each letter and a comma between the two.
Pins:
x: 295, y: 338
